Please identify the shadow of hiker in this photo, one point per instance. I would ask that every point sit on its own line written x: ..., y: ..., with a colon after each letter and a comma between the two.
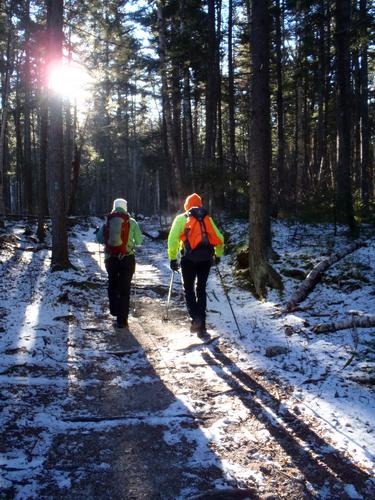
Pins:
x: 119, y: 431
x: 124, y: 434
x: 305, y: 448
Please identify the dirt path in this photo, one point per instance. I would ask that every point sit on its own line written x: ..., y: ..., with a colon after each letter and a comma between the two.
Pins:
x: 152, y: 413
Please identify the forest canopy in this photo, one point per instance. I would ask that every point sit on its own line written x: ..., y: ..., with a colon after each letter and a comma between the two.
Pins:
x: 156, y: 103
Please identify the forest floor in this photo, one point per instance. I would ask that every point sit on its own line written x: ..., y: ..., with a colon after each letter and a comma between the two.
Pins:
x: 88, y: 411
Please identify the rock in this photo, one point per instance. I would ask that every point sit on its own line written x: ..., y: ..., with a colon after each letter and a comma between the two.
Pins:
x: 276, y: 350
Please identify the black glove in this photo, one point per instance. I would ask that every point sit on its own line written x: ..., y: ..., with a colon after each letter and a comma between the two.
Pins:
x: 217, y: 260
x: 174, y: 265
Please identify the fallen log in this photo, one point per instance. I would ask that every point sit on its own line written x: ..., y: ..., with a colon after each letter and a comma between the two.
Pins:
x: 159, y: 234
x: 315, y: 274
x: 366, y: 321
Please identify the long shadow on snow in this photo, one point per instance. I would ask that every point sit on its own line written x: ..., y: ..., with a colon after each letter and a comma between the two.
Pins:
x: 333, y: 467
x: 19, y: 289
x: 122, y: 433
x: 33, y: 380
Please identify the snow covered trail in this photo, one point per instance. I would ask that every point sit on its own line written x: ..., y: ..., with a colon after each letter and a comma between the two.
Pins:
x: 84, y: 413
x: 88, y: 412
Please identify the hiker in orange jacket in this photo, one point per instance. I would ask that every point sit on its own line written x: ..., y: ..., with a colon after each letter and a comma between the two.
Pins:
x: 195, y: 235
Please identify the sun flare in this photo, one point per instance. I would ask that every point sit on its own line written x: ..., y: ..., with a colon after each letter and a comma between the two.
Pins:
x: 72, y: 81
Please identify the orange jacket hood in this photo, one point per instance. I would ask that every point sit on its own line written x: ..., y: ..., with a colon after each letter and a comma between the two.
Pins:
x: 193, y: 200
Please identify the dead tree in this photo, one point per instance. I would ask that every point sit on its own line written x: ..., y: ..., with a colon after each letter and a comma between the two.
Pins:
x: 366, y: 321
x: 314, y: 276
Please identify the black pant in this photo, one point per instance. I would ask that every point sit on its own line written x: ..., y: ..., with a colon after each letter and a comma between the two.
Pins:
x: 120, y: 273
x: 195, y: 275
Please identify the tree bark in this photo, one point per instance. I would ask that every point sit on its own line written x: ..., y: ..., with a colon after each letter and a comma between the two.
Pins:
x: 314, y: 276
x: 320, y: 144
x: 231, y: 110
x: 76, y: 166
x: 280, y: 106
x: 19, y: 148
x: 211, y: 90
x: 28, y: 166
x: 260, y: 154
x: 187, y: 114
x: 4, y: 115
x: 43, y: 151
x: 364, y: 113
x: 173, y: 150
x: 219, y: 141
x: 56, y: 184
x: 344, y: 203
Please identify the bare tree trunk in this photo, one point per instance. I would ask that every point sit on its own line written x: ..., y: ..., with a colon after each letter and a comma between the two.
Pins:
x: 69, y: 133
x: 76, y: 166
x: 211, y: 90
x: 56, y: 184
x: 43, y: 151
x: 260, y: 153
x: 176, y: 186
x: 4, y: 116
x: 19, y: 149
x: 231, y: 109
x: 176, y: 116
x: 322, y: 71
x: 344, y: 206
x: 280, y: 107
x: 324, y: 174
x: 365, y: 126
x: 220, y: 155
x: 188, y: 122
x: 299, y: 142
x: 28, y: 163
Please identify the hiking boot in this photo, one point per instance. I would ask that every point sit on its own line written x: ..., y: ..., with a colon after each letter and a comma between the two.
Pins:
x: 195, y: 325
x: 202, y: 332
x: 123, y: 324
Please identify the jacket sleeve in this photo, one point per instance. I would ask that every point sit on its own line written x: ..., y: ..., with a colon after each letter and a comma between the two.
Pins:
x: 177, y: 228
x: 137, y: 234
x: 219, y: 249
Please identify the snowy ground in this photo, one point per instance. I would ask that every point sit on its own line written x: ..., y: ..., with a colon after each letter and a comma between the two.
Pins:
x: 224, y: 414
x: 322, y: 369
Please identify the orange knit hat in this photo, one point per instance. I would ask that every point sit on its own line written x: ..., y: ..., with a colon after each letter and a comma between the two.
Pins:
x: 193, y: 200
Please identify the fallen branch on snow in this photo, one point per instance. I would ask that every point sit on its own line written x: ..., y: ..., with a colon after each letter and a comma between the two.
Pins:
x: 314, y: 276
x: 95, y: 419
x: 367, y: 321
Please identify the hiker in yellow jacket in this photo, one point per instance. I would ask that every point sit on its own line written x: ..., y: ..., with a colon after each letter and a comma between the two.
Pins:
x: 120, y: 235
x: 195, y: 235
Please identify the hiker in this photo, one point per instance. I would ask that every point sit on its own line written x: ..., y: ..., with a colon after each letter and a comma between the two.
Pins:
x: 199, y: 241
x: 120, y: 234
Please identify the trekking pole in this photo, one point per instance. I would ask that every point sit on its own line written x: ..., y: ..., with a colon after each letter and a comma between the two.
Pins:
x: 134, y: 295
x: 228, y: 299
x: 165, y: 317
x: 100, y: 258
